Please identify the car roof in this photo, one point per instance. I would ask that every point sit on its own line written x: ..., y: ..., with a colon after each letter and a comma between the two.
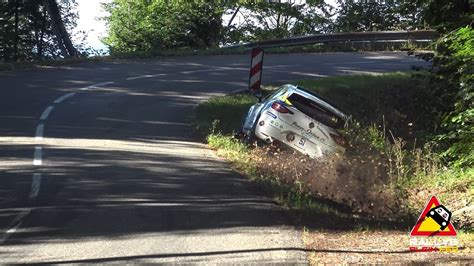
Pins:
x: 315, y: 97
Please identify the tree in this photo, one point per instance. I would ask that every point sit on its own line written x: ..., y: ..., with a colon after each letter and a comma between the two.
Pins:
x: 62, y: 37
x: 452, y: 77
x: 276, y: 19
x: 26, y: 30
x: 366, y: 16
x: 446, y: 16
x: 411, y: 14
x: 453, y: 82
x: 147, y: 26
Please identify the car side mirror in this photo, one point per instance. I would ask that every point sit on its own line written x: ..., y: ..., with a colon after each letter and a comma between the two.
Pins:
x: 259, y: 95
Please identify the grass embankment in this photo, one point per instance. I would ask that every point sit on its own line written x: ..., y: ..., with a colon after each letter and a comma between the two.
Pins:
x: 388, y: 172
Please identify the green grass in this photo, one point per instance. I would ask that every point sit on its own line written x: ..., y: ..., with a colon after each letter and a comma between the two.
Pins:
x: 242, y: 160
x: 233, y: 150
x: 369, y: 99
x: 225, y: 113
x: 397, y: 100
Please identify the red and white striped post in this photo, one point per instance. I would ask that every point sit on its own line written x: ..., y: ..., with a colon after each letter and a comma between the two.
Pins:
x: 256, y: 67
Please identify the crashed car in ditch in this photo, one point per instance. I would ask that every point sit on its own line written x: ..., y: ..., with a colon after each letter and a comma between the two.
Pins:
x: 298, y: 118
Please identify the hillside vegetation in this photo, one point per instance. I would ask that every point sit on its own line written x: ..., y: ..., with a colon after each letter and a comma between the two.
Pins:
x: 393, y: 155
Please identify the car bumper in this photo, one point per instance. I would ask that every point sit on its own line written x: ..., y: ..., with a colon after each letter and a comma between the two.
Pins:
x: 274, y: 130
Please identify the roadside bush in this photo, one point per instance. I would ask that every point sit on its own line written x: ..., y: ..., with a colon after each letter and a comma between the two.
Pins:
x: 452, y: 81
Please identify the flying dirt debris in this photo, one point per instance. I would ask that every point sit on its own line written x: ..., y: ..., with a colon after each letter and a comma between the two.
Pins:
x: 298, y: 118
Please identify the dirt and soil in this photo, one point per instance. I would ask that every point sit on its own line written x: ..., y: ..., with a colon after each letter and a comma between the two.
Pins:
x: 342, y: 247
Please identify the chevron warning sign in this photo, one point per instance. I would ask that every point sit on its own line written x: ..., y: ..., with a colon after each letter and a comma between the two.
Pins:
x: 256, y: 67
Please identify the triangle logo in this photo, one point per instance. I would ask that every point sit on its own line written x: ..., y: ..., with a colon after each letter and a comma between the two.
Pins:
x: 434, y: 221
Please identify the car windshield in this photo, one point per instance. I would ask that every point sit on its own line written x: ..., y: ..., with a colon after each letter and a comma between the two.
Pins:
x: 316, y: 111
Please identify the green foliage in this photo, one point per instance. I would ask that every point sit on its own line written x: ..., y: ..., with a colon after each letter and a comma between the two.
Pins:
x: 453, y: 83
x: 366, y: 16
x: 144, y: 26
x: 446, y: 16
x: 403, y: 15
x: 411, y: 15
x: 452, y: 77
x: 141, y: 26
x: 265, y: 20
x: 26, y: 30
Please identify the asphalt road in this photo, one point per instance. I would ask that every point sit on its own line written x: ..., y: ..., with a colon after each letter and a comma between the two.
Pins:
x: 98, y: 162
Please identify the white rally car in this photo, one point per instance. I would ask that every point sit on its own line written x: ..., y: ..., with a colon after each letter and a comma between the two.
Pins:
x: 298, y: 118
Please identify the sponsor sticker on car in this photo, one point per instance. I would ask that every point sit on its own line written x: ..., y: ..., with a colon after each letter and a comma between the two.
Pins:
x: 271, y: 114
x: 302, y: 142
x: 276, y: 124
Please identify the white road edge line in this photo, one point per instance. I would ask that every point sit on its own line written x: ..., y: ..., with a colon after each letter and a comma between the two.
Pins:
x: 46, y: 112
x: 64, y: 97
x: 38, y: 160
x: 98, y: 85
x: 144, y: 76
x: 157, y: 75
x: 39, y: 132
x: 35, y: 185
x: 103, y: 84
x: 38, y: 157
x: 137, y: 77
x: 15, y: 225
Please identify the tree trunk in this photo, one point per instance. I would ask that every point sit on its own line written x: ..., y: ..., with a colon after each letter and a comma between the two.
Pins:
x: 16, y: 37
x: 233, y: 16
x: 42, y: 29
x: 62, y: 37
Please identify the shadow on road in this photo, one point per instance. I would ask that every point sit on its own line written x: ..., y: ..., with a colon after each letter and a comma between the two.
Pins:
x: 121, y: 162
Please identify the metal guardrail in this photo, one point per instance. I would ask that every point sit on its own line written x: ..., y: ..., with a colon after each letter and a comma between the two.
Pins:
x: 377, y: 36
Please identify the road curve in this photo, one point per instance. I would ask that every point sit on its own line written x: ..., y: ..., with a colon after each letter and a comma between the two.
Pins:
x: 99, y: 162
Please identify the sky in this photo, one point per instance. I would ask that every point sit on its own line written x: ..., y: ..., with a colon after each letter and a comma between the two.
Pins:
x: 90, y: 11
